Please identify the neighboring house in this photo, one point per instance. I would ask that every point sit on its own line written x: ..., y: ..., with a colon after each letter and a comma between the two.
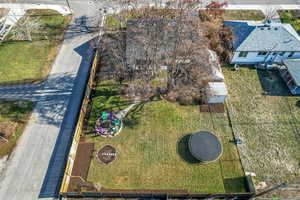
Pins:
x: 153, y: 43
x: 291, y: 74
x: 256, y: 42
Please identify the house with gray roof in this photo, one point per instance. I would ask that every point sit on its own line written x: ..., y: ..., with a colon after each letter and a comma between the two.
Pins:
x: 291, y: 75
x: 256, y: 42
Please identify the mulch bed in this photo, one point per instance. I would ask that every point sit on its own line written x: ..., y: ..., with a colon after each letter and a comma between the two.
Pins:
x: 81, y: 167
x: 7, y: 129
x: 107, y: 154
x: 83, y: 159
x: 214, y: 108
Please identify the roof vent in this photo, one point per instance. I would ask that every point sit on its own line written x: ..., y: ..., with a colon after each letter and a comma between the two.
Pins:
x: 287, y: 40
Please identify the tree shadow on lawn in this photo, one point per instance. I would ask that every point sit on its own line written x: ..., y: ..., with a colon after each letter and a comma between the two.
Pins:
x: 133, y: 117
x: 131, y: 120
x: 272, y: 83
x: 235, y: 185
x: 298, y: 103
x: 184, y: 152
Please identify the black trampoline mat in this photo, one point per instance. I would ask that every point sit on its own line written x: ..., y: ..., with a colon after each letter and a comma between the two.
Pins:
x: 205, y: 146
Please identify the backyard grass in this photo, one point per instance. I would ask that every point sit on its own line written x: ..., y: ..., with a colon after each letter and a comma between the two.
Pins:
x: 152, y: 148
x: 13, y: 118
x: 28, y: 62
x: 266, y: 117
x: 254, y: 15
x: 291, y: 17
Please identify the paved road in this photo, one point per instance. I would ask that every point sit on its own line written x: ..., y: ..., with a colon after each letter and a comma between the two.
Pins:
x: 82, y: 2
x: 230, y: 1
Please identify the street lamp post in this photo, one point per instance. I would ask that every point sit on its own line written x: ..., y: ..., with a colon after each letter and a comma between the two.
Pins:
x: 68, y: 4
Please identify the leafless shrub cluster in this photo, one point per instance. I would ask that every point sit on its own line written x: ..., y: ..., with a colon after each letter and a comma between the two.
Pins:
x: 220, y: 37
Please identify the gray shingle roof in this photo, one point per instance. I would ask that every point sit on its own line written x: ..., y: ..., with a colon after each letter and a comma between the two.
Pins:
x: 293, y: 66
x: 262, y: 37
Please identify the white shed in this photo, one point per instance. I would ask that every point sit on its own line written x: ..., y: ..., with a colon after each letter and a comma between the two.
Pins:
x: 217, y: 92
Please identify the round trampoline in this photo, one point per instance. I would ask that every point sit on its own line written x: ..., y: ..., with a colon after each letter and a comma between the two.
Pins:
x: 205, y: 146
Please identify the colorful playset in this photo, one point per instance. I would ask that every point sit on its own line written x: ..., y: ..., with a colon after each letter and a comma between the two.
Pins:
x: 108, y: 125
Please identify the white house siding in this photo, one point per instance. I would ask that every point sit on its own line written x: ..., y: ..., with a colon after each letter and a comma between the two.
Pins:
x: 250, y: 59
x: 253, y: 58
x: 280, y: 58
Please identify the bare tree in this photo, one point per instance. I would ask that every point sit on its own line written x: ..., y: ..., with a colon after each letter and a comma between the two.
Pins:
x: 173, y: 37
x: 270, y: 13
x: 25, y: 27
x: 220, y: 36
x: 113, y: 54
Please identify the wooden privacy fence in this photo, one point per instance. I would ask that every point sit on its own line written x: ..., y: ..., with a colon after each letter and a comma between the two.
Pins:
x: 78, y: 130
x: 157, y: 195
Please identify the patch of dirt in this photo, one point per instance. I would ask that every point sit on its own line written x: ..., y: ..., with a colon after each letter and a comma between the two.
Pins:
x: 213, y: 108
x: 7, y: 129
x: 81, y: 167
x: 83, y: 159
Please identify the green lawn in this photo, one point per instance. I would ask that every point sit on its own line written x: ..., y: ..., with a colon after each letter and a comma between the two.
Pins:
x: 268, y: 123
x: 255, y: 15
x: 291, y: 17
x: 152, y: 151
x: 13, y: 118
x: 27, y: 62
x: 151, y: 147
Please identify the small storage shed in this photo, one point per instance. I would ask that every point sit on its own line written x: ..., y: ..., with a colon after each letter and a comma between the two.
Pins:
x: 291, y: 75
x: 217, y: 92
